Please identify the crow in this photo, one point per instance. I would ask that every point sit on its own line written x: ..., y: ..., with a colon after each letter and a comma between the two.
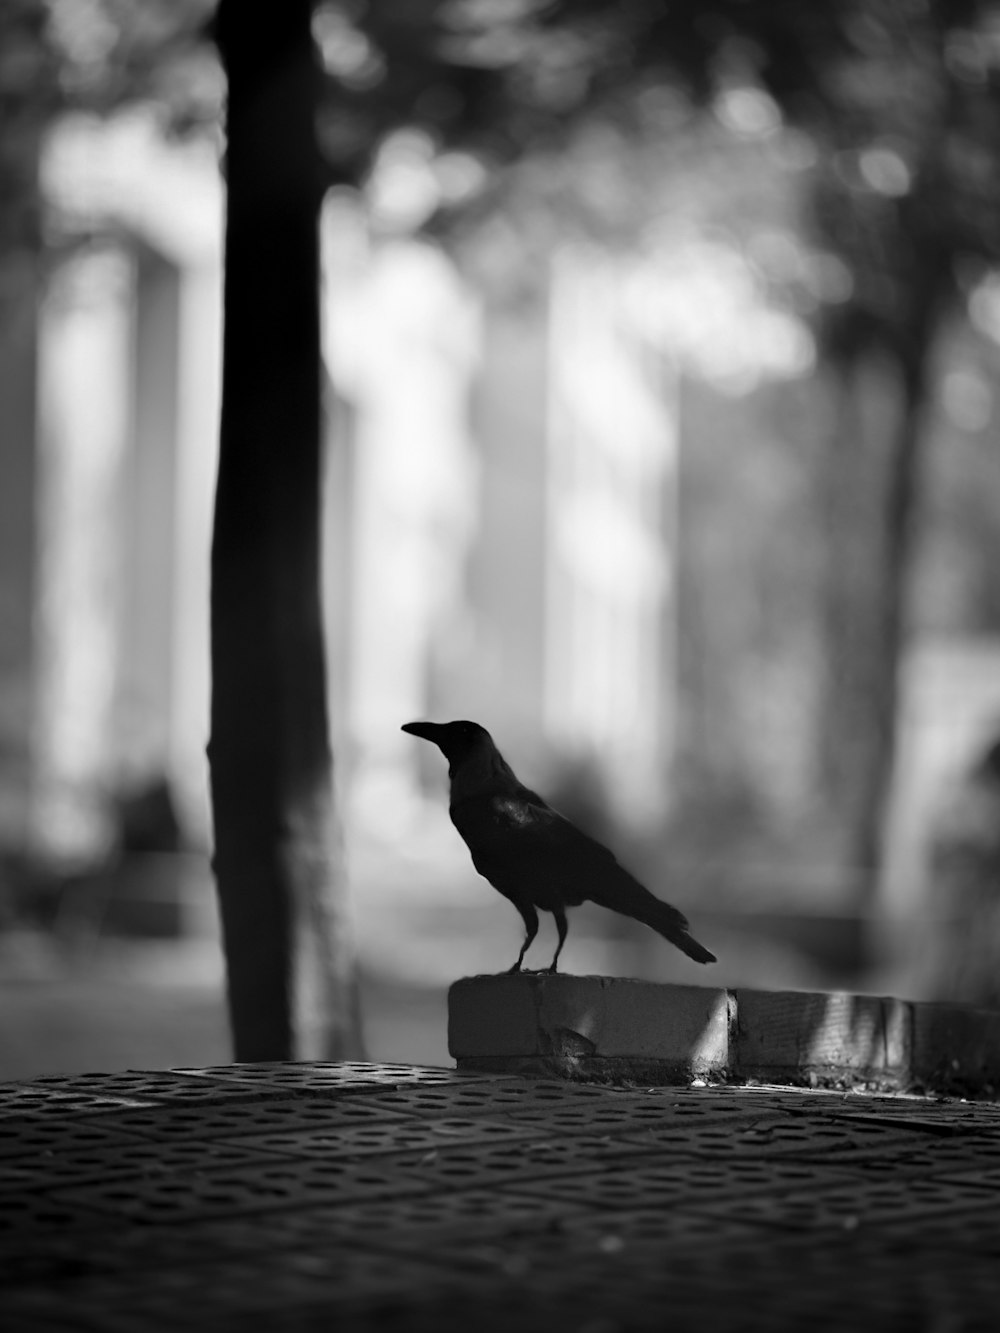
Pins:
x: 532, y: 854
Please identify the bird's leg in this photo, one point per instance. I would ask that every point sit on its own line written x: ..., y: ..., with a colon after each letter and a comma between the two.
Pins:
x: 531, y: 927
x: 560, y: 915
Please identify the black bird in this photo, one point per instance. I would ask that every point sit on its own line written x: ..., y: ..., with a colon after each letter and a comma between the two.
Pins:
x: 530, y: 853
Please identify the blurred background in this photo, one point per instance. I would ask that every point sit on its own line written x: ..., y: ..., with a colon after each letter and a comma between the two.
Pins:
x: 662, y: 352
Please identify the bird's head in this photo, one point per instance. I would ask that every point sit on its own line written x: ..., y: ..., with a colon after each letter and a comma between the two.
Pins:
x: 457, y: 741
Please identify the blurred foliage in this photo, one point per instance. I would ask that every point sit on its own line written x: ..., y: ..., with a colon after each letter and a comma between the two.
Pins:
x: 91, y: 56
x: 900, y: 100
x: 96, y: 55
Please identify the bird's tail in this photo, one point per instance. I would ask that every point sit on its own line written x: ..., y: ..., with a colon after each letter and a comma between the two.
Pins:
x: 632, y: 899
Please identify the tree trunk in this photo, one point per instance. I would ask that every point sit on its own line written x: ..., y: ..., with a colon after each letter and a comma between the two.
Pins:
x: 872, y: 498
x: 20, y: 300
x: 269, y: 753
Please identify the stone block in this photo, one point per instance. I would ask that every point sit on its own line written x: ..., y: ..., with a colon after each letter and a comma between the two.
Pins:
x: 956, y: 1048
x: 492, y: 1016
x: 614, y: 1029
x: 782, y: 1035
x: 572, y: 1020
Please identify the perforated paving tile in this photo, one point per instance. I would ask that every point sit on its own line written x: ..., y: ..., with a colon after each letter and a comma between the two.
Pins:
x: 547, y: 1241
x: 30, y: 1100
x: 264, y: 1289
x: 434, y: 1221
x: 859, y: 1202
x: 815, y: 1139
x: 509, y: 1097
x: 745, y: 1288
x: 390, y: 1136
x: 326, y: 1076
x: 58, y: 1135
x: 965, y: 1233
x: 849, y: 1282
x: 478, y: 1165
x: 45, y: 1170
x: 360, y: 1198
x: 855, y: 1102
x: 233, y: 1119
x: 658, y: 1228
x: 101, y: 1244
x: 42, y: 1212
x: 577, y: 1109
x: 153, y: 1088
x: 929, y: 1158
x: 648, y: 1183
x: 801, y: 1101
x: 673, y: 1106
x: 945, y: 1118
x: 231, y: 1192
x: 986, y: 1175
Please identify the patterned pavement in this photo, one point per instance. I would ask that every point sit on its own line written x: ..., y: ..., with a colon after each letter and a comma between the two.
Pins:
x: 356, y: 1197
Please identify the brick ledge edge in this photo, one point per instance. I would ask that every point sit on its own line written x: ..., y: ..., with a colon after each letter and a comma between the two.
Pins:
x: 620, y: 1031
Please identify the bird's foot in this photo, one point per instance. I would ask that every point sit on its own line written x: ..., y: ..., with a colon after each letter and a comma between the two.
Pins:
x: 513, y: 971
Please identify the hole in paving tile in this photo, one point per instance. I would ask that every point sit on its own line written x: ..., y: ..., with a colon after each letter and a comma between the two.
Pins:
x: 329, y: 1170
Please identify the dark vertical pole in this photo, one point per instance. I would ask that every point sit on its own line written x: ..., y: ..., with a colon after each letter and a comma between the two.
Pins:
x: 20, y: 294
x: 269, y: 750
x: 873, y: 490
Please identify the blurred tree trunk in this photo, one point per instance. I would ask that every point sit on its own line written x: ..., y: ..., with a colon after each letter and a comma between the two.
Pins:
x: 871, y: 503
x: 271, y: 766
x: 956, y: 943
x: 20, y: 298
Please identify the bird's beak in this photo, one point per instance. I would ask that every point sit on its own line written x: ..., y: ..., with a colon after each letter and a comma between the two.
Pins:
x: 428, y: 731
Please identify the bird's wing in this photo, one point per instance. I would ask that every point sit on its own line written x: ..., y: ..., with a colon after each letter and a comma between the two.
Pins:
x: 532, y: 845
x: 537, y: 825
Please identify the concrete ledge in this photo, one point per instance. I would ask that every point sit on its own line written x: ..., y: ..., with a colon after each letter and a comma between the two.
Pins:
x: 613, y: 1029
x: 791, y: 1036
x: 956, y: 1047
x: 567, y: 1025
